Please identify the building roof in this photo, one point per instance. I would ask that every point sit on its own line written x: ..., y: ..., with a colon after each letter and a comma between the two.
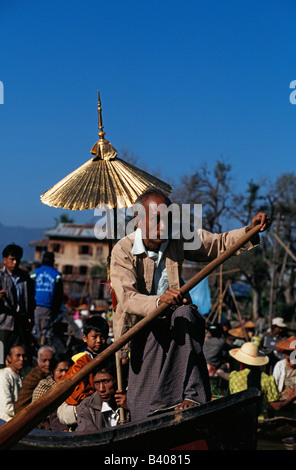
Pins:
x: 72, y: 231
x: 42, y: 242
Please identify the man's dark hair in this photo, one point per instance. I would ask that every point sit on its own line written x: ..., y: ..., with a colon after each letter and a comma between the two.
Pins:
x: 60, y: 358
x: 216, y: 330
x: 48, y: 258
x: 152, y: 191
x: 16, y: 345
x: 13, y: 250
x: 109, y: 366
x: 97, y: 323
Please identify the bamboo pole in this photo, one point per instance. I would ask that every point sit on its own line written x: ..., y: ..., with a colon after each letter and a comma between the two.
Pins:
x: 223, y: 295
x: 114, y: 301
x: 22, y: 423
x: 238, y: 313
x: 119, y: 385
x: 284, y: 246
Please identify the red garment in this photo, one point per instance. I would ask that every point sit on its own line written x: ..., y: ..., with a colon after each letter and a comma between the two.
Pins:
x: 86, y: 387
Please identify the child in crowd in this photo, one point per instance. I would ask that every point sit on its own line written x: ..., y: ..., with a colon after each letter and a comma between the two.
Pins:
x: 95, y: 337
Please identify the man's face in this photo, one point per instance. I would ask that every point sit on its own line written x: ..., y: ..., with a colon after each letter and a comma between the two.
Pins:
x: 105, y: 385
x: 45, y: 361
x: 154, y: 223
x: 289, y: 356
x: 277, y: 330
x: 11, y: 263
x: 95, y: 341
x: 17, y: 359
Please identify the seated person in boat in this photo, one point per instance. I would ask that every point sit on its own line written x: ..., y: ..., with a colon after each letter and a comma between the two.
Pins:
x: 284, y: 373
x: 43, y: 369
x: 101, y: 409
x: 11, y: 379
x: 252, y: 375
x: 216, y: 350
x: 167, y: 368
x: 61, y: 367
x: 271, y: 337
x: 95, y: 337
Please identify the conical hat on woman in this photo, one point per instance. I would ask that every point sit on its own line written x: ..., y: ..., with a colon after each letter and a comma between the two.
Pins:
x: 287, y: 344
x: 249, y: 354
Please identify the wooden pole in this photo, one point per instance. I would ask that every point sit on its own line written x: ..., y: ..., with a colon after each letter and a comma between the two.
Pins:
x: 284, y: 246
x: 119, y: 385
x: 223, y: 295
x: 114, y: 301
x: 238, y: 313
x: 22, y: 423
x: 273, y: 288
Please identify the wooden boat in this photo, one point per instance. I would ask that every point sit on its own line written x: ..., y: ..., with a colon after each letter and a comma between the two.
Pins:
x: 204, y: 418
x: 280, y: 427
x: 277, y: 433
x: 227, y: 423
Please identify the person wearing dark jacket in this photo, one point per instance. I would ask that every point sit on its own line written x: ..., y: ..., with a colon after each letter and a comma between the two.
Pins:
x: 17, y: 300
x: 101, y: 409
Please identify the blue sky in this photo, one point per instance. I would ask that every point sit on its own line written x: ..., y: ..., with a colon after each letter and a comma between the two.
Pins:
x: 181, y: 83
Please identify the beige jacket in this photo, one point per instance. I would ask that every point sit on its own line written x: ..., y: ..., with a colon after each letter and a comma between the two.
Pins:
x: 132, y: 275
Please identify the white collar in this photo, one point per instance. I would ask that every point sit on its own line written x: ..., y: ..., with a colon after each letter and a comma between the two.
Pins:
x: 106, y: 407
x: 112, y: 416
x: 139, y: 247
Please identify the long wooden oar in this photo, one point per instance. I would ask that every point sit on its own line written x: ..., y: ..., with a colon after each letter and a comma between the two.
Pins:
x: 22, y: 423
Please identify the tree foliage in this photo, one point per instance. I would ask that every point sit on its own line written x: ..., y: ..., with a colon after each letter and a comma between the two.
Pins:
x: 64, y: 219
x: 209, y: 188
x: 270, y: 269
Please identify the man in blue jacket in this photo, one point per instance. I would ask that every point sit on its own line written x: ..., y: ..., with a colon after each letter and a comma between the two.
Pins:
x: 48, y: 297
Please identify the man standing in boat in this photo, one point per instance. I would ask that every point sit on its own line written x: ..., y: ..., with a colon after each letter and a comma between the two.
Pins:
x: 167, y: 369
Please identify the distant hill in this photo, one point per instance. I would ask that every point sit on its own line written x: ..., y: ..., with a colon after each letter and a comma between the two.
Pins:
x: 20, y: 236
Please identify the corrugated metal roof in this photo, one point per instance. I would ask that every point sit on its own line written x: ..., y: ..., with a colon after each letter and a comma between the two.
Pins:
x: 43, y: 242
x: 72, y: 231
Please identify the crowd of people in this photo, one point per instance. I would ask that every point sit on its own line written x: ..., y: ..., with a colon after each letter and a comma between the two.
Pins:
x: 239, y: 357
x: 169, y: 364
x: 94, y: 403
x: 45, y: 340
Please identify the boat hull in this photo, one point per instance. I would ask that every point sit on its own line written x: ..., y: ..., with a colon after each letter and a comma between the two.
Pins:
x: 228, y: 423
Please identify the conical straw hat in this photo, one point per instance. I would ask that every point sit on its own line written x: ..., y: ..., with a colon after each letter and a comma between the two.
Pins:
x: 249, y: 324
x: 287, y: 344
x: 249, y: 354
x: 104, y: 180
x: 237, y: 332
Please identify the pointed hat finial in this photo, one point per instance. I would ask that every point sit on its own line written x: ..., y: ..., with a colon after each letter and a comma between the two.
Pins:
x: 101, y: 133
x: 102, y: 148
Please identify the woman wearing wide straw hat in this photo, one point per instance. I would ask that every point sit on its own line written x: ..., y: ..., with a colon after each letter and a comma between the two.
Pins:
x: 252, y: 375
